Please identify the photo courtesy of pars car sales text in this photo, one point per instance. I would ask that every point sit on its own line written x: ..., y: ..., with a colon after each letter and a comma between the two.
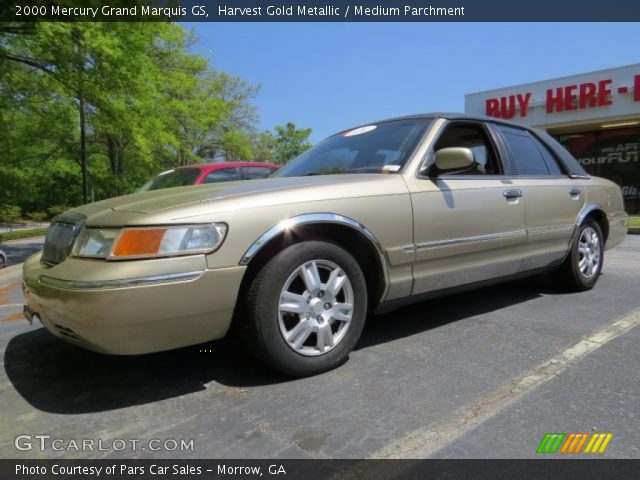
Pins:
x: 152, y: 469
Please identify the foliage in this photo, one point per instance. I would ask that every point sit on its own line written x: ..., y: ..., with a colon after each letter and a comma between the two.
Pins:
x: 634, y: 221
x: 291, y: 141
x: 148, y: 104
x: 17, y: 234
x: 56, y: 210
x: 9, y: 214
x: 264, y: 148
x: 287, y: 143
x: 37, y: 216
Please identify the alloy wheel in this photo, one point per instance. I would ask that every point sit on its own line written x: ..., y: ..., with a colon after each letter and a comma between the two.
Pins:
x: 589, y: 252
x: 315, y: 307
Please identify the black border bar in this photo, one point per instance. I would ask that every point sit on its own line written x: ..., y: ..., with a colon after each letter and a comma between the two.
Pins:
x: 321, y: 10
x: 564, y: 469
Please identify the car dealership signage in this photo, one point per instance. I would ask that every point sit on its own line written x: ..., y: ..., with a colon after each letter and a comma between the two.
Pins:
x: 605, y: 94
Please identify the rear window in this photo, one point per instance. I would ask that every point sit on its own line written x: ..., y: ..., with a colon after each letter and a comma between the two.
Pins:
x: 222, y: 175
x: 526, y: 154
x: 552, y: 163
x: 251, y: 173
x: 179, y: 177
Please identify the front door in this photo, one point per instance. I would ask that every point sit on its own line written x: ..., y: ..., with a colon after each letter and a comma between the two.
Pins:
x: 468, y: 226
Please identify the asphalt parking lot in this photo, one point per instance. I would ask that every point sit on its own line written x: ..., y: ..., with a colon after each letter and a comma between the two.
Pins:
x: 480, y: 374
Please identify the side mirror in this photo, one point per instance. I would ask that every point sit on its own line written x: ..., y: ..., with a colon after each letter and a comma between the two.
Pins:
x: 454, y: 159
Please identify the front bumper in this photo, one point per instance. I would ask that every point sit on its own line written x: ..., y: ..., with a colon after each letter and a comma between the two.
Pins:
x: 132, y: 307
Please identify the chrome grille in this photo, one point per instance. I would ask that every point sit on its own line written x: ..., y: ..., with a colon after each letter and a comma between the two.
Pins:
x: 60, y: 237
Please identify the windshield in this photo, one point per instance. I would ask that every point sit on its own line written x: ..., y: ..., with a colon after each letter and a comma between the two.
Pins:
x: 384, y: 147
x: 179, y: 177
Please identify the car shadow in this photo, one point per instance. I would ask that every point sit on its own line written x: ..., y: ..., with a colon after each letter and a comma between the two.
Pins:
x: 431, y: 314
x: 56, y: 377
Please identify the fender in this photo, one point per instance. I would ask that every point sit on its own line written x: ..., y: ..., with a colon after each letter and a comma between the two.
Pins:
x: 316, y: 218
x: 589, y: 208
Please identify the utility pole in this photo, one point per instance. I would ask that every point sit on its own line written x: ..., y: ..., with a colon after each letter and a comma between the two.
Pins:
x: 83, y: 149
x: 77, y: 37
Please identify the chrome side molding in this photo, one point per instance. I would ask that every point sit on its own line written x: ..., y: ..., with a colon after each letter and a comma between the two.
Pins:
x: 472, y: 239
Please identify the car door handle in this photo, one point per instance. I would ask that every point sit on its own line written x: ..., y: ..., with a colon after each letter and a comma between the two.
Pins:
x: 511, y: 194
x: 574, y: 192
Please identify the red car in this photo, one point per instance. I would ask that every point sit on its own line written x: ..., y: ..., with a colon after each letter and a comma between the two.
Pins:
x: 209, y: 173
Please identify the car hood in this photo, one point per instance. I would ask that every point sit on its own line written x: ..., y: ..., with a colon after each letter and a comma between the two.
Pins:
x: 175, y: 203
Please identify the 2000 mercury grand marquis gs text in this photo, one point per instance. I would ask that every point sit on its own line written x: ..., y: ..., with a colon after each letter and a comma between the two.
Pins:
x: 368, y: 219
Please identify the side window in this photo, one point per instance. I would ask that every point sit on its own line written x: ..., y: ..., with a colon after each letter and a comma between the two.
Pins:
x: 222, y: 175
x: 527, y: 153
x: 251, y: 173
x: 475, y: 138
x: 550, y: 159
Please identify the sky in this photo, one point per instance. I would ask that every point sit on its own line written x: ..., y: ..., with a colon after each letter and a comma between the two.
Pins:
x: 332, y: 76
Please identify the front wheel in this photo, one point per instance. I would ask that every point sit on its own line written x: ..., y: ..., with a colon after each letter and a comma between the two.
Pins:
x: 583, y: 265
x: 305, y: 310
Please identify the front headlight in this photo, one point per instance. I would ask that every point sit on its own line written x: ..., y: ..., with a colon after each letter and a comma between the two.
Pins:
x: 146, y: 242
x: 95, y: 242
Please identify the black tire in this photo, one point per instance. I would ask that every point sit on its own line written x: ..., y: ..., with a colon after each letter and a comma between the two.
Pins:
x: 570, y: 275
x: 259, y: 321
x: 3, y: 262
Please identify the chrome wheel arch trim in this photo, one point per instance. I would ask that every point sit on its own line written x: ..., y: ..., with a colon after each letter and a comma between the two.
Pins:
x: 589, y: 208
x: 319, y: 218
x: 586, y: 210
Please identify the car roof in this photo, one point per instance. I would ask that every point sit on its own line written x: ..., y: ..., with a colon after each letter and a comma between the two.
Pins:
x: 571, y: 165
x: 216, y: 166
x: 453, y: 116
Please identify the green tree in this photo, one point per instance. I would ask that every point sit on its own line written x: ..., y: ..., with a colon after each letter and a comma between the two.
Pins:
x: 37, y: 217
x: 290, y: 142
x: 91, y: 110
x: 264, y: 147
x: 9, y: 214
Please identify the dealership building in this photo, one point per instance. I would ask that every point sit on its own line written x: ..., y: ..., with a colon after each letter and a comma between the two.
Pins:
x: 595, y: 115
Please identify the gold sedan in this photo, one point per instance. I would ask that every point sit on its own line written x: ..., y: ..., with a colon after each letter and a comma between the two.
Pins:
x: 369, y: 219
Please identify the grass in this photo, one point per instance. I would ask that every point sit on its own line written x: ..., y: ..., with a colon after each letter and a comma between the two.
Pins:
x: 16, y: 234
x: 634, y: 221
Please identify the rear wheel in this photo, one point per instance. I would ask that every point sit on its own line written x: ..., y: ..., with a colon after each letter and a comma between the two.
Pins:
x: 583, y: 265
x: 304, y: 311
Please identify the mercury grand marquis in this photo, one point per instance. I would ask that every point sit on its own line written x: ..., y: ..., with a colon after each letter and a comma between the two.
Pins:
x: 371, y: 218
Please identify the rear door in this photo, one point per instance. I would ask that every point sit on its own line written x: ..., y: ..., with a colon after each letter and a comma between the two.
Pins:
x: 552, y: 199
x: 468, y: 226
